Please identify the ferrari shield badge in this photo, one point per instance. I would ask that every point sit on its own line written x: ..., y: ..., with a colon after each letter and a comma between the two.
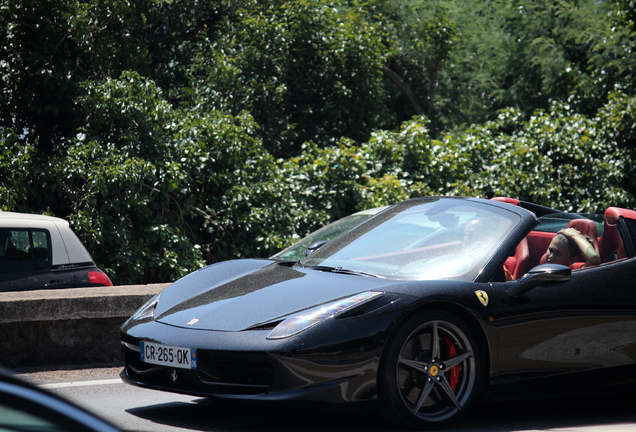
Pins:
x: 483, y: 297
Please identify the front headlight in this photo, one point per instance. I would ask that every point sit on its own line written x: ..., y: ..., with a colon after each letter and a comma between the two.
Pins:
x: 147, y: 310
x: 309, y: 318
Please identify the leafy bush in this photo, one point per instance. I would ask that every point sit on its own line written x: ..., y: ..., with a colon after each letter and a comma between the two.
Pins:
x: 305, y: 71
x: 175, y: 134
x: 15, y: 166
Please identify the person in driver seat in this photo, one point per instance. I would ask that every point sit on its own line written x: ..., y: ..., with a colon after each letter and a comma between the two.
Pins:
x: 568, y: 246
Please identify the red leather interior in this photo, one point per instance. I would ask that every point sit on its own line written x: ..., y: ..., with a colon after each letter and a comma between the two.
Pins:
x: 610, y: 241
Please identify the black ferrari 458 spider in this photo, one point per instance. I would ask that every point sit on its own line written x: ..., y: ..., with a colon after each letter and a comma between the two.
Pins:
x: 423, y: 308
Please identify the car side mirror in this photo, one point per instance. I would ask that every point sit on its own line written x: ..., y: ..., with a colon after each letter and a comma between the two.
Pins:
x: 314, y: 247
x: 541, y: 274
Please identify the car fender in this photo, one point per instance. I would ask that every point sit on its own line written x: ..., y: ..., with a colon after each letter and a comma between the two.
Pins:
x: 471, y: 302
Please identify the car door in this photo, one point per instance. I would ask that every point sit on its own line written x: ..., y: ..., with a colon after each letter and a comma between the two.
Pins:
x: 25, y: 261
x: 556, y: 331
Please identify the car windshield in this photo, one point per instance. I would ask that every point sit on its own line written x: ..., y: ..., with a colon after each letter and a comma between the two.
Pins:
x: 326, y: 233
x: 436, y: 238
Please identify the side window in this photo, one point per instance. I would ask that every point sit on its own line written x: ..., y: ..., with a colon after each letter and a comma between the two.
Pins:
x: 23, y: 251
x: 41, y: 250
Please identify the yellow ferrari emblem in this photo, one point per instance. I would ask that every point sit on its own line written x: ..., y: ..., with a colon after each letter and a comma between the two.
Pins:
x: 433, y: 371
x: 483, y: 297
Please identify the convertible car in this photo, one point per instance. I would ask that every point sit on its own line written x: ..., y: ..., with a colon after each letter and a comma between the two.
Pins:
x: 423, y: 308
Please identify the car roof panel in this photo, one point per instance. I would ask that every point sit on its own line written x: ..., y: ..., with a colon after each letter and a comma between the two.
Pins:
x: 67, y: 248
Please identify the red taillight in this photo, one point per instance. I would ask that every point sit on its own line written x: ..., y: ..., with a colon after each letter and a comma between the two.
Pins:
x: 98, y: 277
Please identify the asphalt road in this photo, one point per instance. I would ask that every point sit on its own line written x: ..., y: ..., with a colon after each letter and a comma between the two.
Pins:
x: 133, y: 409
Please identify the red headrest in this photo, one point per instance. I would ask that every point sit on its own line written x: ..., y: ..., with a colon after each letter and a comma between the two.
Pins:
x: 586, y: 227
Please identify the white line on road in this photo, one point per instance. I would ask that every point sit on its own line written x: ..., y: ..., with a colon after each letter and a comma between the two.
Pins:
x: 81, y: 383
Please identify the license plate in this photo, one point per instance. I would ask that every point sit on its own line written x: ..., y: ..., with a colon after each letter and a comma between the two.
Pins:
x: 164, y: 355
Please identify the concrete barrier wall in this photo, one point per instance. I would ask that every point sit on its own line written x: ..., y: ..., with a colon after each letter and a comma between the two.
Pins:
x: 67, y: 326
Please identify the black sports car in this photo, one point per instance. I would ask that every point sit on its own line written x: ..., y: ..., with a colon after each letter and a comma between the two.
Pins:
x: 423, y: 307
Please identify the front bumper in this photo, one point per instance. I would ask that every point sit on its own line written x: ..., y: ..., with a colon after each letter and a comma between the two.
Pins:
x: 258, y: 376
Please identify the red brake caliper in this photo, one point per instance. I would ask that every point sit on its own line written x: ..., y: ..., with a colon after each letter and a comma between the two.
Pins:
x: 453, y: 374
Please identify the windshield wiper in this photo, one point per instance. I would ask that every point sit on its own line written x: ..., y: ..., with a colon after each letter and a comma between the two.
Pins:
x: 343, y: 271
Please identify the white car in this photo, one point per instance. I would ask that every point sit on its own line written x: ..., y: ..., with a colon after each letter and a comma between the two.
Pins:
x: 43, y: 252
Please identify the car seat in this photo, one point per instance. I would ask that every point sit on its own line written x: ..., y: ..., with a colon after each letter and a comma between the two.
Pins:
x: 611, y: 243
x: 586, y: 227
x: 516, y: 264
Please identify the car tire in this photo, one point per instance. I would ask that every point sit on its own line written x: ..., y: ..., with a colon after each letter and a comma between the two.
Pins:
x: 423, y: 384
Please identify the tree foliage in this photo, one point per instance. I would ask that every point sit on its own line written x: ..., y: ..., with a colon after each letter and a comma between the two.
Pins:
x: 178, y: 133
x: 303, y: 70
x: 15, y: 166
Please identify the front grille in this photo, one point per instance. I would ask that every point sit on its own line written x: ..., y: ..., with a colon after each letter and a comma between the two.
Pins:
x: 217, y: 373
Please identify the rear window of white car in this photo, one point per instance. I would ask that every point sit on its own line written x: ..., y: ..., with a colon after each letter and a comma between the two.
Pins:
x: 24, y: 251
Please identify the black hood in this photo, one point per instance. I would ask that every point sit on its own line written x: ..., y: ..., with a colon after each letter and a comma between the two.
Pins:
x: 256, y: 293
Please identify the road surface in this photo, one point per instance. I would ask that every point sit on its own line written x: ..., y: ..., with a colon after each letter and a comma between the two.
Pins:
x: 101, y: 391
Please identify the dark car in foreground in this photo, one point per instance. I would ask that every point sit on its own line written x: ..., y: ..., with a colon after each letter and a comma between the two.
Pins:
x: 43, y: 252
x: 422, y: 308
x: 25, y: 407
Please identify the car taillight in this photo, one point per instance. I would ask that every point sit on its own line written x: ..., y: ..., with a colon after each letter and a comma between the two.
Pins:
x: 98, y: 277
